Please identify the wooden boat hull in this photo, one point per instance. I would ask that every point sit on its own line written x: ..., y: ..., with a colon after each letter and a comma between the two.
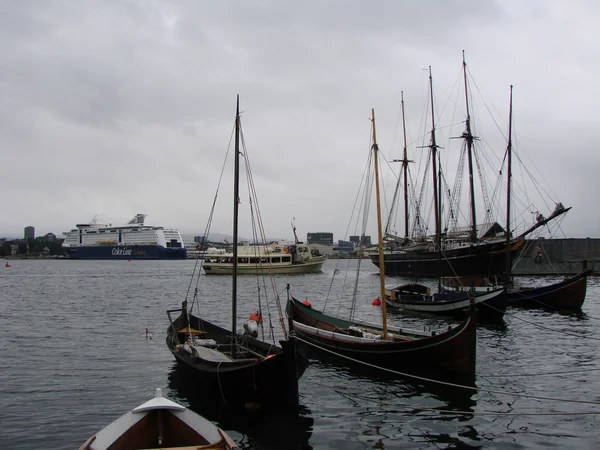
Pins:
x: 480, y: 260
x: 450, y: 355
x: 311, y: 266
x: 491, y: 305
x: 257, y: 382
x: 568, y: 294
x: 160, y: 423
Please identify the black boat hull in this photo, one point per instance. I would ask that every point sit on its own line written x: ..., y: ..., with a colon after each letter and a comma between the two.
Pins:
x: 447, y: 356
x: 263, y: 383
x: 565, y: 295
x: 481, y: 260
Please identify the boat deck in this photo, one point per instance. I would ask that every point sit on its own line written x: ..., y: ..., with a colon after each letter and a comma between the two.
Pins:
x: 209, y: 354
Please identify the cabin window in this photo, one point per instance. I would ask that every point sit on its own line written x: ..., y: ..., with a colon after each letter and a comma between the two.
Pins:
x: 173, y: 244
x: 286, y: 259
x: 275, y: 259
x: 254, y: 260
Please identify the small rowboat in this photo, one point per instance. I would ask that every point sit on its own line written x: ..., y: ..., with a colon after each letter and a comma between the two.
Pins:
x: 160, y: 424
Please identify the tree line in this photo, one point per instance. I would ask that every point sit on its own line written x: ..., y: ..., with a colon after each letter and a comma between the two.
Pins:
x: 31, y: 247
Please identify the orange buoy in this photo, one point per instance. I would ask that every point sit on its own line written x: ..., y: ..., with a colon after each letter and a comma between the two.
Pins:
x: 376, y: 302
x: 256, y: 316
x: 7, y: 265
x: 306, y: 302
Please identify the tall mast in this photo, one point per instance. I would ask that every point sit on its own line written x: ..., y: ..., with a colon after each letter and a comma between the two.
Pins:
x: 469, y: 138
x: 236, y: 198
x: 405, y: 171
x: 404, y: 175
x: 508, y: 194
x: 379, y: 230
x: 434, y: 147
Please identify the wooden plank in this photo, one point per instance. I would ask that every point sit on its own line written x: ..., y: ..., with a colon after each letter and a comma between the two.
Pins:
x: 191, y: 331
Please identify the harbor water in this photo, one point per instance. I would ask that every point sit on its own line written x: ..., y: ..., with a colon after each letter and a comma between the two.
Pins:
x: 73, y: 358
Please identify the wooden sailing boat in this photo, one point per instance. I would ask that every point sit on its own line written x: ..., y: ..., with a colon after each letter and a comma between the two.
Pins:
x: 442, y: 356
x: 413, y: 297
x: 160, y: 423
x: 568, y: 294
x: 240, y: 368
x: 464, y: 254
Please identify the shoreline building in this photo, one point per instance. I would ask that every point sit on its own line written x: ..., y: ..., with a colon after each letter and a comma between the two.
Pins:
x: 320, y: 238
x: 356, y: 240
x: 29, y: 232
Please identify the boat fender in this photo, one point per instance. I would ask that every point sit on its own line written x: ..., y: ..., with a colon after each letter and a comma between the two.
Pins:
x: 376, y: 302
x: 251, y: 328
x: 305, y: 302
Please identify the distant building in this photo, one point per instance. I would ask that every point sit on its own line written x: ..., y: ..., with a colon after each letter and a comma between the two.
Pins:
x: 321, y: 238
x: 356, y: 240
x: 345, y: 245
x: 199, y: 239
x: 343, y: 248
x: 29, y: 232
x: 49, y: 237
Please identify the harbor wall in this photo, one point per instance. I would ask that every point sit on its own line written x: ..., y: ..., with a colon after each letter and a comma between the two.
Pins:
x: 559, y: 256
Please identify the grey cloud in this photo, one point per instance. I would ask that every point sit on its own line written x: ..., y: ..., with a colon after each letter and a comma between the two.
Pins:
x: 118, y: 107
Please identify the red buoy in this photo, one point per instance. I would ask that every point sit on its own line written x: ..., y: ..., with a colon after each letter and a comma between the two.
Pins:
x: 306, y: 302
x: 256, y: 317
x: 376, y: 302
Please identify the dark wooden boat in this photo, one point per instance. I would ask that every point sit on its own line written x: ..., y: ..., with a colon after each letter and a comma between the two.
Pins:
x: 568, y: 294
x: 417, y: 298
x: 446, y: 356
x: 160, y: 423
x: 483, y: 258
x: 245, y: 371
x: 449, y: 355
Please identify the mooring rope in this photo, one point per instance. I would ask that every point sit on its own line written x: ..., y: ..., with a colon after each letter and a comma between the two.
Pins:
x: 446, y: 383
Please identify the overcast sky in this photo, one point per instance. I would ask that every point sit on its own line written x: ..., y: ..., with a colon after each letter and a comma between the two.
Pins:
x: 111, y: 108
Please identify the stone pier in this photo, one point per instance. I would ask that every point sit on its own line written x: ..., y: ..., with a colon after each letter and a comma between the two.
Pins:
x: 559, y: 256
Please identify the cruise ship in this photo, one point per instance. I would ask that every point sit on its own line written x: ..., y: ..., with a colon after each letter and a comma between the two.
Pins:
x: 95, y: 240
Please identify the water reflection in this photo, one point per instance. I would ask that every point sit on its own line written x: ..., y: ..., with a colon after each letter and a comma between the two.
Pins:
x: 256, y: 429
x: 365, y: 384
x: 356, y: 409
